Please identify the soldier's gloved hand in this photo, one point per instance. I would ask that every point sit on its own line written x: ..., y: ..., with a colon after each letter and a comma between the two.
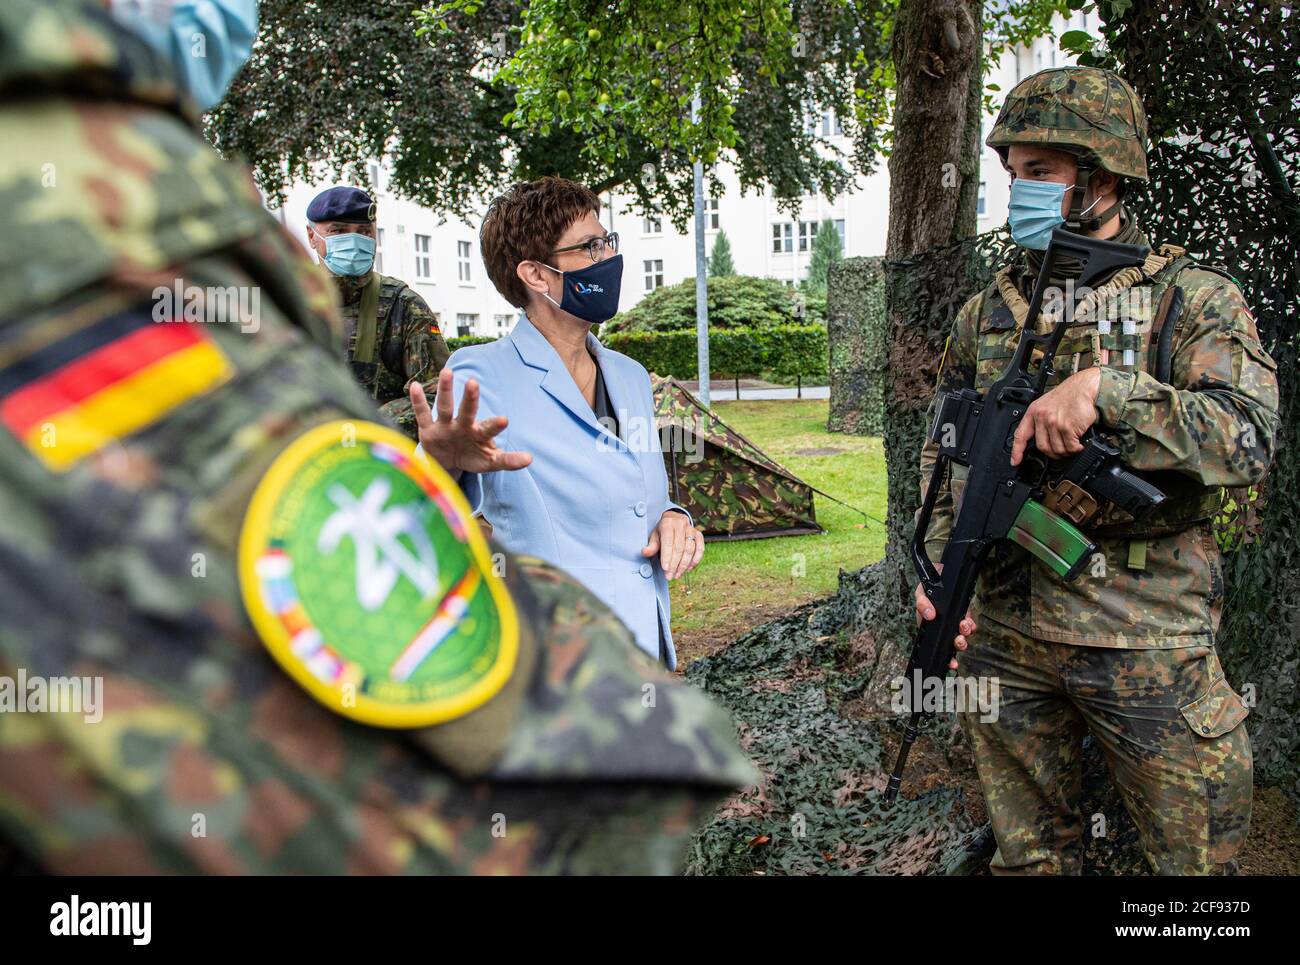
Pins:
x: 460, y: 444
x: 1057, y: 420
x: 925, y: 611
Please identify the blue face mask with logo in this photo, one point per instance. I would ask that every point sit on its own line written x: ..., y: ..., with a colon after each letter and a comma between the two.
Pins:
x: 591, y: 293
x: 349, y: 254
x: 205, y: 41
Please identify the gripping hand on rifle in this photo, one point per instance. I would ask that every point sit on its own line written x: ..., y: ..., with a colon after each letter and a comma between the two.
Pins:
x: 1057, y: 420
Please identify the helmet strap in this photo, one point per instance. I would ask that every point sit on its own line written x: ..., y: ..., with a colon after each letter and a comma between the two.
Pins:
x: 1076, y: 221
x: 1073, y: 220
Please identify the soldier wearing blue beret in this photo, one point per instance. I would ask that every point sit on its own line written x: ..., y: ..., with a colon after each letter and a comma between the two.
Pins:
x: 392, y: 335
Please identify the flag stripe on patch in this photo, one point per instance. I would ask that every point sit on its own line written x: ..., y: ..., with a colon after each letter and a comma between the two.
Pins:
x: 57, y: 354
x: 83, y: 377
x: 111, y: 379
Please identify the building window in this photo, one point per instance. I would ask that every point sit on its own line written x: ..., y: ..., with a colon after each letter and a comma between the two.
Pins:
x: 379, y: 250
x: 652, y: 226
x: 462, y: 261
x: 806, y: 232
x: 981, y: 202
x: 654, y: 273
x: 831, y: 124
x: 423, y: 263
x: 504, y: 323
x: 839, y: 226
x: 465, y: 325
x: 782, y: 238
x: 374, y: 178
x: 711, y: 213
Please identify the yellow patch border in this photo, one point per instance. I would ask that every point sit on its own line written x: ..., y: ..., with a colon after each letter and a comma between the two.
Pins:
x: 253, y: 539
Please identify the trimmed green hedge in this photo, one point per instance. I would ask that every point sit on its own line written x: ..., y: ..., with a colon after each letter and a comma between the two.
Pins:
x: 735, y: 301
x: 783, y: 352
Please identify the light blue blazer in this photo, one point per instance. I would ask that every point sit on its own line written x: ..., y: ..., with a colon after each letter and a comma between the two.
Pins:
x: 588, y: 501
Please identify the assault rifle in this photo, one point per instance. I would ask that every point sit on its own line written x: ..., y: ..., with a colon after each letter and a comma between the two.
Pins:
x: 1037, y: 504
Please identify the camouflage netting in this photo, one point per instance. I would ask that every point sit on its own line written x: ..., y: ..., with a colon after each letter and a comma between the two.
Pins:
x: 1221, y: 90
x: 808, y: 702
x: 1221, y: 86
x: 859, y: 345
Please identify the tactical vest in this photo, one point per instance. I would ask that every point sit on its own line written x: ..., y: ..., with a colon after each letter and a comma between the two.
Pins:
x: 1119, y: 325
x: 380, y: 308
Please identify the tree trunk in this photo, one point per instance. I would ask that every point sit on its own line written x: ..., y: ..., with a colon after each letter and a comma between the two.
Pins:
x: 933, y: 185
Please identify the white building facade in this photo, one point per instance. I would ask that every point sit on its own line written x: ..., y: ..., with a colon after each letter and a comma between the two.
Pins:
x: 439, y: 257
x: 436, y: 256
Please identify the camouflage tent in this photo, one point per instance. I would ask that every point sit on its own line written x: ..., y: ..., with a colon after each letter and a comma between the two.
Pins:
x: 726, y: 482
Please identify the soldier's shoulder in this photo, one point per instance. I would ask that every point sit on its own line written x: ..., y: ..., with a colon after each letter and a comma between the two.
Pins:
x: 1197, y: 276
x: 390, y: 286
x: 600, y: 708
x: 1193, y: 274
x: 413, y: 303
x: 1211, y: 293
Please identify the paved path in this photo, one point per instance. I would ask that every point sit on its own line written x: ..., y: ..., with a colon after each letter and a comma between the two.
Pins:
x: 724, y: 390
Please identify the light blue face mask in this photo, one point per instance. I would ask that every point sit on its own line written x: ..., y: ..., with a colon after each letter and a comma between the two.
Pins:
x: 349, y: 254
x: 205, y: 41
x: 1034, y: 210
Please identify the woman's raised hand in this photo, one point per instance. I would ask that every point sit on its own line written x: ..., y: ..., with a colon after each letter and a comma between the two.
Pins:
x: 460, y: 444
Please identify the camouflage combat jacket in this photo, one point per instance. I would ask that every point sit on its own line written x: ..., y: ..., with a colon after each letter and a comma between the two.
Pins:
x: 119, y: 563
x: 408, y: 341
x: 1160, y: 584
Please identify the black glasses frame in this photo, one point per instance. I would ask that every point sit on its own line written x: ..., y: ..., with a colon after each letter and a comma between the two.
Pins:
x: 595, y: 247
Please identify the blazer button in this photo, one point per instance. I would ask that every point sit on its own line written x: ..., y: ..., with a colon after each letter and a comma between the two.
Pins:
x: 639, y: 509
x: 647, y: 570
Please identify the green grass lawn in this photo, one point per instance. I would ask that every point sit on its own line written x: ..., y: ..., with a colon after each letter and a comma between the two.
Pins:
x: 741, y: 584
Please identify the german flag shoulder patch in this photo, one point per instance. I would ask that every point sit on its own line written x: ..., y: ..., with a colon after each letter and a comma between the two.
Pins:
x: 68, y: 396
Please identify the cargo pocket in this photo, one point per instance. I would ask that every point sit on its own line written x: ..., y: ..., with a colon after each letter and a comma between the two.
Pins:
x: 1222, y: 748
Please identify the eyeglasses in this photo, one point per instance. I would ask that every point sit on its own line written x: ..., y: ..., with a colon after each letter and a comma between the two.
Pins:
x: 595, y: 247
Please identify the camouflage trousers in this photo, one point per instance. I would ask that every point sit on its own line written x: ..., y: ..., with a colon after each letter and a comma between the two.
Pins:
x: 1170, y: 727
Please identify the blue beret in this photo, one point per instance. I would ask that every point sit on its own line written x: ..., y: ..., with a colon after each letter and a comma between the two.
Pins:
x: 350, y: 205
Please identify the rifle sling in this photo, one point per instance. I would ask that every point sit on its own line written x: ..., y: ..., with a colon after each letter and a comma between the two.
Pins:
x: 367, y: 322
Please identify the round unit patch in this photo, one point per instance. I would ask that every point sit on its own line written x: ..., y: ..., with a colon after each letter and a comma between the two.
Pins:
x: 371, y: 584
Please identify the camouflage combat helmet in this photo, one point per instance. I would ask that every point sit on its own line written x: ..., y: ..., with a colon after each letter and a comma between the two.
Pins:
x: 1087, y: 111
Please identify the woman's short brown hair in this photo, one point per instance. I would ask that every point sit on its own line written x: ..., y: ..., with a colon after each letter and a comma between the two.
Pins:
x: 525, y: 224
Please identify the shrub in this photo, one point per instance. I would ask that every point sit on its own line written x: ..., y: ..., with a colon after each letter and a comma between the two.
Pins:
x: 735, y: 301
x: 783, y: 352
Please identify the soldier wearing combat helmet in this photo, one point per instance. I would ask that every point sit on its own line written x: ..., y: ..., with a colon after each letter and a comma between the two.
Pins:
x: 392, y: 336
x: 1166, y: 361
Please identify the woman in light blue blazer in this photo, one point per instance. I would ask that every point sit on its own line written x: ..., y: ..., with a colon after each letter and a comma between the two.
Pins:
x: 594, y: 497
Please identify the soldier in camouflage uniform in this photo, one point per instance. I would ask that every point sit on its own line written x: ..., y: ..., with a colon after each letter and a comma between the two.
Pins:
x: 136, y: 454
x: 391, y: 334
x: 1125, y: 652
